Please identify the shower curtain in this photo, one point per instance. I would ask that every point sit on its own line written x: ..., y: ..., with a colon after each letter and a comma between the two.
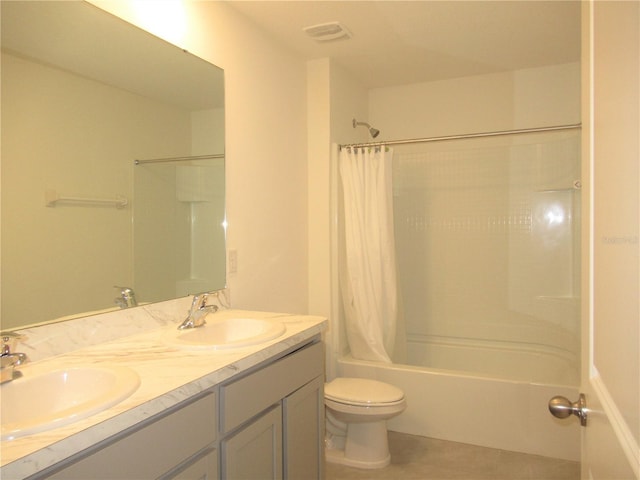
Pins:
x: 368, y: 272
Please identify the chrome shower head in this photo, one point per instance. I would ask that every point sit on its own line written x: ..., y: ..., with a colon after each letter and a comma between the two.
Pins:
x: 373, y: 131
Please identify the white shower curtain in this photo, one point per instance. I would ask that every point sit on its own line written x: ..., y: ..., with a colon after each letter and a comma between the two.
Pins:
x: 368, y: 272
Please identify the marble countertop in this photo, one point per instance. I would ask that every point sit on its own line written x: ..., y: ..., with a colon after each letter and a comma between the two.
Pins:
x: 169, y: 375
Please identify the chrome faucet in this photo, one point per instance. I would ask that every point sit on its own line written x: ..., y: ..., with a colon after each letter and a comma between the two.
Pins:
x: 9, y: 359
x: 127, y: 297
x: 198, y: 311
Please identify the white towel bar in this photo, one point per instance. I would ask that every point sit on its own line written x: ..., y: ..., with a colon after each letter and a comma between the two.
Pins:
x: 52, y: 198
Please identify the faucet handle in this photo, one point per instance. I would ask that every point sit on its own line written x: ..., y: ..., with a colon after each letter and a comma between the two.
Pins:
x: 124, y: 290
x: 199, y: 301
x: 127, y: 297
x: 9, y: 341
x: 10, y: 359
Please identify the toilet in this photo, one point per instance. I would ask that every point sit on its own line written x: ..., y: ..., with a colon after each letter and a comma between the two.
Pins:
x: 357, y: 410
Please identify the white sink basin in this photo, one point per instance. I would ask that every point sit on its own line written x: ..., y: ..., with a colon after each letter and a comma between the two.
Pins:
x: 37, y: 403
x: 228, y: 333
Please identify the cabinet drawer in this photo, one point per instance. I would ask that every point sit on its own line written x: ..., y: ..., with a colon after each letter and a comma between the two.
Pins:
x: 152, y: 450
x: 250, y: 395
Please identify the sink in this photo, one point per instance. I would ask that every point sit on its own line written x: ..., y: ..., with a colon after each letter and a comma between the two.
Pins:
x: 227, y: 333
x: 37, y: 402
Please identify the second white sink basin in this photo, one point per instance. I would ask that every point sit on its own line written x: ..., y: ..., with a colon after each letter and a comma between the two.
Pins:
x: 228, y: 333
x: 42, y: 401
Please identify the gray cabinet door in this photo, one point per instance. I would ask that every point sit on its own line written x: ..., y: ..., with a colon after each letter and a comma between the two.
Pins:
x: 304, y: 431
x: 255, y: 452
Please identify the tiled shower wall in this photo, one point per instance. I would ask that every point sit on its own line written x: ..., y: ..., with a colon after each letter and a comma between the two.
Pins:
x: 487, y: 241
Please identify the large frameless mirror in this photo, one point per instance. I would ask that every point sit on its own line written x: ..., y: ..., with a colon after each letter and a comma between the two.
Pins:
x: 85, y: 95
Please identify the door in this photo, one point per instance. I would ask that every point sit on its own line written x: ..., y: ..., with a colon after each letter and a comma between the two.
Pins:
x: 611, y: 126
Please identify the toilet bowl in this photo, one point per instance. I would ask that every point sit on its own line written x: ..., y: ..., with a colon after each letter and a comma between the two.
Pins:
x: 357, y: 410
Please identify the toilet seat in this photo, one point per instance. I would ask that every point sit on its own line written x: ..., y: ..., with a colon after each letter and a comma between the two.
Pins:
x: 362, y: 392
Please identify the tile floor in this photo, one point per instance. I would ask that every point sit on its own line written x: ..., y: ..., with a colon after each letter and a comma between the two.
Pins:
x: 420, y: 458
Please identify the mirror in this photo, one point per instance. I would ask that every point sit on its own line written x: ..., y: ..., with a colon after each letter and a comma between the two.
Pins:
x: 84, y: 95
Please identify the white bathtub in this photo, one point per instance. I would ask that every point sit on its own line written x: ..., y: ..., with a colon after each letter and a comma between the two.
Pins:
x: 526, y: 362
x: 476, y: 409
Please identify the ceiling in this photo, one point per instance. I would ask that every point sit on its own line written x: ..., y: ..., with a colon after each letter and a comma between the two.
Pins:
x: 403, y: 42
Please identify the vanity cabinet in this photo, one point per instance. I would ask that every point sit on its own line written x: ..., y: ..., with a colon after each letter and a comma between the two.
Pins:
x: 266, y: 423
x: 181, y: 441
x: 272, y: 420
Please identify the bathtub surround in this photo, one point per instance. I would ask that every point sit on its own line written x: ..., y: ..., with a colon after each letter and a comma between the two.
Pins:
x: 193, y: 191
x: 488, y: 246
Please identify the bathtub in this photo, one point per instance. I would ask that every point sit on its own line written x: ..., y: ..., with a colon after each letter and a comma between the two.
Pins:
x: 479, y: 409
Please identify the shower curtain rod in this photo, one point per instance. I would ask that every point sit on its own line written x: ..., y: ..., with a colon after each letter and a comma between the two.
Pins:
x: 178, y: 159
x: 463, y: 136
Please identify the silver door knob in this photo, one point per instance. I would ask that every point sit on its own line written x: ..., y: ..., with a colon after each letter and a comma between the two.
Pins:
x: 561, y: 407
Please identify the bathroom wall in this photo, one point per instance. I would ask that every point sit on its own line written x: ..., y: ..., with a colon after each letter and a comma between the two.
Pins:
x: 266, y: 167
x: 70, y: 159
x: 502, y: 101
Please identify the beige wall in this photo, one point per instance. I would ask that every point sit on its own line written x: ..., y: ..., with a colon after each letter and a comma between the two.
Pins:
x: 502, y: 101
x: 266, y: 126
x: 333, y: 99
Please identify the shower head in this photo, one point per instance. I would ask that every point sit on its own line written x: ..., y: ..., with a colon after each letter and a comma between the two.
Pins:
x: 373, y: 131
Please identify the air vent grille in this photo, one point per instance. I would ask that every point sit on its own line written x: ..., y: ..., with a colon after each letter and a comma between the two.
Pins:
x: 326, y: 32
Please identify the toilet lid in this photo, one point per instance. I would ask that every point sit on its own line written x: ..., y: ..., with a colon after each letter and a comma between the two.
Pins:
x: 362, y: 391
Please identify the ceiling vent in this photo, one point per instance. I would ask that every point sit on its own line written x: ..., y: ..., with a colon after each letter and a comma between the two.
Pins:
x: 327, y: 32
